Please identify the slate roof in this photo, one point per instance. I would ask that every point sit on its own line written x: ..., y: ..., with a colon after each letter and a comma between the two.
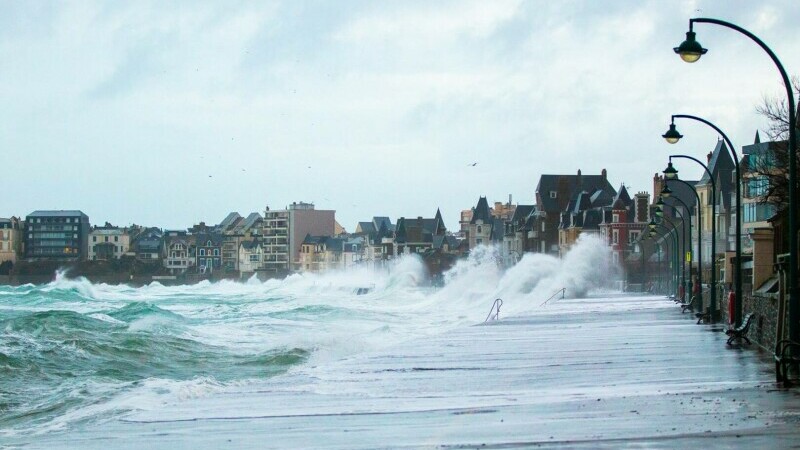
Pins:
x: 250, y: 244
x: 481, y: 212
x: 229, y: 220
x: 565, y: 186
x: 622, y: 200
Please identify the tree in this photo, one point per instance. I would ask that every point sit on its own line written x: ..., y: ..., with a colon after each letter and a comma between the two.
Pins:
x: 774, y: 167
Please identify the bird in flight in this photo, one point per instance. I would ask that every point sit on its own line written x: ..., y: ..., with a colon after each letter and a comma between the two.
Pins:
x: 473, y: 164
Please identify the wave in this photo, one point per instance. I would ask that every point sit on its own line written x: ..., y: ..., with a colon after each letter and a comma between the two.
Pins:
x: 72, y: 351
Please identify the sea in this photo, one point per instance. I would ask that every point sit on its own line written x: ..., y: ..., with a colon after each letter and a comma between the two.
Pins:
x: 74, y: 354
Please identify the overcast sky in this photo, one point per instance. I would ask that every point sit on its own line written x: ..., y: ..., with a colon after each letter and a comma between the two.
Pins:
x: 171, y: 113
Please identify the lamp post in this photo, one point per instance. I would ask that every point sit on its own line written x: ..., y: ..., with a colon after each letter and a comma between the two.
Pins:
x: 672, y: 136
x: 672, y: 230
x: 687, y: 240
x: 684, y: 225
x: 699, y: 231
x: 671, y: 173
x: 690, y: 51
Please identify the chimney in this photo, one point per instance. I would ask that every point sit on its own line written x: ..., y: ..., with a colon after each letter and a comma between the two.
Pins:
x: 658, y: 184
x: 709, y: 157
x: 579, y: 172
x: 640, y: 207
x: 603, y: 174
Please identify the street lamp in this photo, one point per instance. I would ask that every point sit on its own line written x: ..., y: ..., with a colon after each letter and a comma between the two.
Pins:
x: 737, y: 282
x: 672, y: 136
x: 689, y: 53
x: 684, y: 225
x: 699, y: 234
x: 673, y: 175
x: 690, y: 50
x: 666, y: 192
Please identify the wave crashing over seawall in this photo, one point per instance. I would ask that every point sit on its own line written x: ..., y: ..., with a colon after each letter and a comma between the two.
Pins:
x: 73, y: 352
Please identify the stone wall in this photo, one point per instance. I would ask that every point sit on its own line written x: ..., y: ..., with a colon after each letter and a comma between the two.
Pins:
x: 765, y: 321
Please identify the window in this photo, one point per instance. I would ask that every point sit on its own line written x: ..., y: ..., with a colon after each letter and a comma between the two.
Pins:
x: 479, y: 241
x: 106, y: 239
x: 216, y: 252
x: 615, y: 218
x: 116, y: 238
x: 253, y: 258
x: 633, y: 236
x: 553, y: 194
x: 614, y: 236
x: 208, y: 244
x: 543, y: 226
x: 479, y: 228
x: 202, y: 253
x: 94, y: 238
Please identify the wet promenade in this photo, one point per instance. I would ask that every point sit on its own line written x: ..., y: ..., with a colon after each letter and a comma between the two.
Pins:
x: 591, y: 373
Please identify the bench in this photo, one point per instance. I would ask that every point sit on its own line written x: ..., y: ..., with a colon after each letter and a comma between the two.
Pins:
x: 704, y: 316
x: 740, y: 332
x: 786, y: 352
x: 687, y: 305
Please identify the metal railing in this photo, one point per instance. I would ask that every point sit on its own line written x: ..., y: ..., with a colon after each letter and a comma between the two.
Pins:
x: 561, y: 291
x: 495, y: 309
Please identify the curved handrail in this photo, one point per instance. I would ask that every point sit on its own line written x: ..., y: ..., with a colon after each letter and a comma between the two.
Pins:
x: 495, y: 306
x: 563, y: 292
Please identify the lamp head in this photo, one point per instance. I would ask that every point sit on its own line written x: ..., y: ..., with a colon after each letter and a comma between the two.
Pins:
x: 690, y: 50
x: 652, y: 226
x: 666, y: 192
x: 659, y: 211
x: 672, y: 136
x: 670, y: 173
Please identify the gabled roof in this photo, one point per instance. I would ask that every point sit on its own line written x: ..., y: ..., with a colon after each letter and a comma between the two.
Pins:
x: 203, y: 238
x: 622, y: 200
x: 251, y: 244
x: 229, y: 220
x: 247, y: 223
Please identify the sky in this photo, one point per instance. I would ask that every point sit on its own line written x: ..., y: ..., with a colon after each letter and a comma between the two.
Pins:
x: 171, y: 113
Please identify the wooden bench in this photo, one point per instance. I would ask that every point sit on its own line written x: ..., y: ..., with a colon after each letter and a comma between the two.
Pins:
x: 786, y: 352
x: 687, y: 305
x: 740, y: 332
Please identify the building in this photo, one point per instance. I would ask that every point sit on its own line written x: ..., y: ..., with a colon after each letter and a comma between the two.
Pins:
x: 147, y: 244
x: 284, y: 231
x: 180, y: 252
x: 251, y: 257
x: 108, y: 242
x: 553, y: 196
x: 518, y: 234
x: 624, y: 222
x: 58, y: 235
x: 322, y: 253
x: 414, y: 235
x: 209, y: 252
x: 10, y: 239
x: 236, y: 229
x: 485, y: 228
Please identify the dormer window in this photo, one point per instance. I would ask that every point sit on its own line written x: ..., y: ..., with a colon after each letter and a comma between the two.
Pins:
x: 553, y: 194
x: 208, y: 244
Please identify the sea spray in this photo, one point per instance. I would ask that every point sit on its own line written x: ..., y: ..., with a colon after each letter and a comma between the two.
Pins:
x: 73, y: 352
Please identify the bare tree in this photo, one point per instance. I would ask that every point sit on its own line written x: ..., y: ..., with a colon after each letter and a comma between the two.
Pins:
x: 774, y: 166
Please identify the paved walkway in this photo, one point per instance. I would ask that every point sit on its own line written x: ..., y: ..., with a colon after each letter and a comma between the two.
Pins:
x: 589, y: 373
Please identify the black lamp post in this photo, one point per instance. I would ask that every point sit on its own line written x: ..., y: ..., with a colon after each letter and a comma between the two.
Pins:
x: 684, y: 224
x: 687, y: 241
x: 699, y: 233
x: 691, y: 50
x: 671, y: 173
x: 737, y: 282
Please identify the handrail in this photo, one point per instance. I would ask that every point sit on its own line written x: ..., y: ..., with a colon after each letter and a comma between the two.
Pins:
x: 563, y: 292
x: 496, y: 305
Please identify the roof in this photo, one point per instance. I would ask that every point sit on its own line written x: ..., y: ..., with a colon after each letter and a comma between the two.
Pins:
x: 481, y: 212
x: 229, y: 220
x: 565, y: 186
x: 622, y: 200
x: 58, y: 213
x: 251, y: 244
x: 247, y: 223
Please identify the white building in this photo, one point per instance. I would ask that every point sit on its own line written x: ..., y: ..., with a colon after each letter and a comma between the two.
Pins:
x: 108, y: 242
